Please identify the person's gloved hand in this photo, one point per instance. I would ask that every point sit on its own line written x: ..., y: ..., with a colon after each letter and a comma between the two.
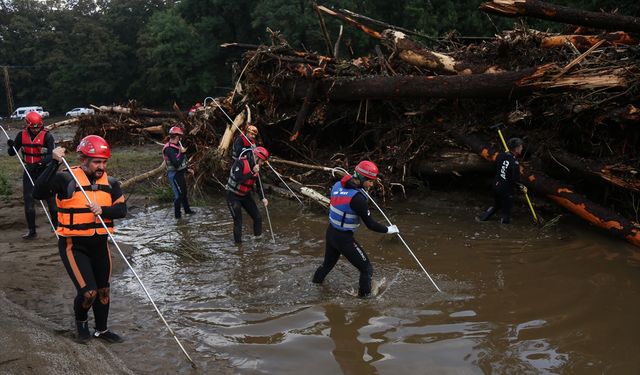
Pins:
x: 10, y: 143
x: 392, y: 229
x: 522, y: 188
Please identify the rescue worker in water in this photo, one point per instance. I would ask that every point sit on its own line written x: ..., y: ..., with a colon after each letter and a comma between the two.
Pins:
x: 244, y: 174
x: 37, y: 145
x: 176, y: 162
x: 83, y: 240
x: 349, y: 205
x: 506, y: 179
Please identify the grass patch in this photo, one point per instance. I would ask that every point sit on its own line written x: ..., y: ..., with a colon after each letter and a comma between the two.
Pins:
x: 128, y: 162
x: 5, y: 186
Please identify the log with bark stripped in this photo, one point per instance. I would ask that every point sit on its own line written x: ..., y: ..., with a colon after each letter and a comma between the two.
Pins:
x: 557, y: 13
x: 584, y: 42
x: 564, y: 196
x: 416, y: 54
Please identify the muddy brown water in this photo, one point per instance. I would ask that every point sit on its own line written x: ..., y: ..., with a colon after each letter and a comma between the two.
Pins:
x: 516, y: 299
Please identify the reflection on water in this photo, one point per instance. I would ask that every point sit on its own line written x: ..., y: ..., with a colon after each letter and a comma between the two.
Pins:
x: 515, y: 300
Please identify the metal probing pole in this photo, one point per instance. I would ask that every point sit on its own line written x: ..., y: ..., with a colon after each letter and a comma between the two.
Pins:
x: 402, y: 239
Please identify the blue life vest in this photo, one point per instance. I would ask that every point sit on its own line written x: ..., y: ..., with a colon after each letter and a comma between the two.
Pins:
x: 341, y: 216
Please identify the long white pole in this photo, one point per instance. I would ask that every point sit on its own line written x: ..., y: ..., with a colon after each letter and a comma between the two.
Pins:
x: 131, y: 268
x: 402, y: 239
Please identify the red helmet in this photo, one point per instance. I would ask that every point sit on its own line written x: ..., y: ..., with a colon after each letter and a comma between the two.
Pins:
x: 261, y: 153
x: 176, y: 130
x: 94, y: 146
x: 33, y: 119
x: 367, y: 169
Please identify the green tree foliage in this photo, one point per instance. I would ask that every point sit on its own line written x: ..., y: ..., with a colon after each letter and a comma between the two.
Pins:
x: 169, y: 58
x: 67, y: 53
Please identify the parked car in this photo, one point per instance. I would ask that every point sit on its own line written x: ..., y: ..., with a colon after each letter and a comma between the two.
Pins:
x: 80, y: 111
x: 21, y: 112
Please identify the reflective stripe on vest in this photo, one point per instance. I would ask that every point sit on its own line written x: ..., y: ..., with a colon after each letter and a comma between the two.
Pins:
x: 341, y: 216
x: 245, y: 187
x: 169, y: 165
x: 74, y: 217
x: 33, y: 150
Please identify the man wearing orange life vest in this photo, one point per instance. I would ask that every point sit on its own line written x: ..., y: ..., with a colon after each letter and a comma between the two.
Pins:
x: 83, y: 240
x: 36, y: 144
x: 243, y: 175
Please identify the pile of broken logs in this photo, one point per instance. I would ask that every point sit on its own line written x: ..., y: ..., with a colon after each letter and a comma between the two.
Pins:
x: 423, y: 107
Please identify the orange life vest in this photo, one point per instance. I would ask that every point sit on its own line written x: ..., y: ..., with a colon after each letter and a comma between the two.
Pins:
x: 74, y: 217
x: 33, y: 150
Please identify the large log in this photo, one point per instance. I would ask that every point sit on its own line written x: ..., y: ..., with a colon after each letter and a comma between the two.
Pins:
x: 136, y: 112
x: 416, y: 54
x: 498, y: 85
x: 564, y: 196
x: 584, y: 42
x: 453, y: 162
x: 156, y: 171
x: 411, y: 51
x: 557, y: 13
x: 600, y: 170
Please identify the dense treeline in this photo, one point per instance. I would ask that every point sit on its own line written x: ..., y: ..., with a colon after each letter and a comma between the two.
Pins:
x: 66, y: 53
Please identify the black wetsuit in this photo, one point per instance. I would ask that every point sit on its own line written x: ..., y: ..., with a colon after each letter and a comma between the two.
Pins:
x: 507, y: 176
x: 239, y: 146
x: 178, y: 181
x: 86, y: 259
x: 343, y: 243
x: 35, y: 170
x: 237, y: 202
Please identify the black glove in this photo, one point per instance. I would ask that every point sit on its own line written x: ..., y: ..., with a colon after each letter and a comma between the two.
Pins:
x: 10, y: 143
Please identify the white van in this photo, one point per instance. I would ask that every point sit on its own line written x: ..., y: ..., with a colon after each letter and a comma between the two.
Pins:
x: 21, y: 112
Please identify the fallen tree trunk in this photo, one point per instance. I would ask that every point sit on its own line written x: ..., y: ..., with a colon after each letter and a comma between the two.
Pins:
x: 415, y: 54
x: 58, y: 124
x: 134, y: 111
x: 599, y: 170
x: 498, y: 85
x: 584, y: 42
x: 579, y: 205
x: 453, y: 162
x: 144, y: 176
x: 557, y: 13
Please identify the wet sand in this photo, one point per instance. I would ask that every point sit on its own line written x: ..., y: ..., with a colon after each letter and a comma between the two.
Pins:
x: 35, y: 284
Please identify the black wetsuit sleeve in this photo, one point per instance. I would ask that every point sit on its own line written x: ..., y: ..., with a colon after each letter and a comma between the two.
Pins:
x: 119, y: 209
x: 172, y: 154
x: 360, y: 206
x: 50, y: 144
x: 237, y: 147
x: 50, y: 183
x: 17, y: 144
